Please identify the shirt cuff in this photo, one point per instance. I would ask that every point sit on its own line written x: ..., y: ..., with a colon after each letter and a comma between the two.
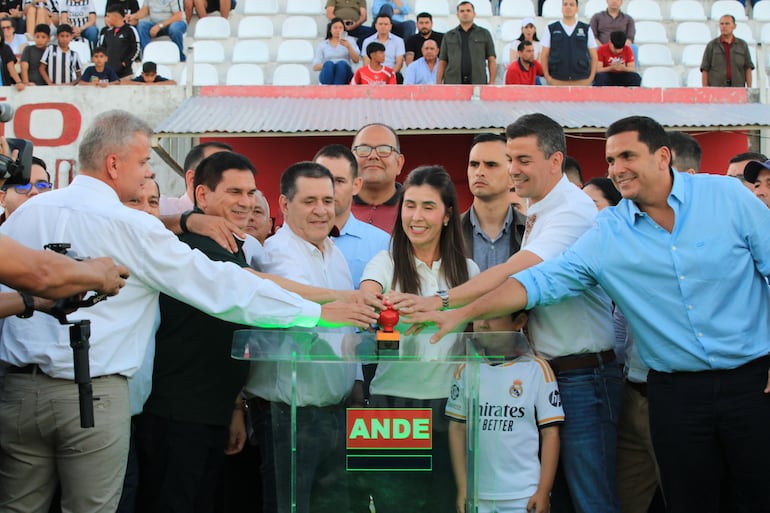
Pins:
x: 309, y: 315
x: 529, y: 283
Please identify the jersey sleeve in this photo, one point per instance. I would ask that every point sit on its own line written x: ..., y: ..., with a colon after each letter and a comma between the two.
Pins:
x: 548, y: 402
x: 456, y: 405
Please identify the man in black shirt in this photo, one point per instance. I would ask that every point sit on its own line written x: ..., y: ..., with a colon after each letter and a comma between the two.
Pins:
x: 424, y: 32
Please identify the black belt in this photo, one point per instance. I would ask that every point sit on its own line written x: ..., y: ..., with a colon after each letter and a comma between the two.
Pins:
x: 582, y: 361
x: 31, y: 368
x: 641, y: 388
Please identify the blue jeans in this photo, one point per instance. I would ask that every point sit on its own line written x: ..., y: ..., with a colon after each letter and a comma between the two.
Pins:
x: 585, y: 481
x: 90, y: 34
x: 335, y: 73
x: 175, y: 31
x: 402, y: 29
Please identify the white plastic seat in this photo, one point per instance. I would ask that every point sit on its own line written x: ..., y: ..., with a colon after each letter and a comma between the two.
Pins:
x: 733, y: 7
x: 260, y: 7
x: 245, y: 74
x: 660, y: 76
x: 655, y: 55
x: 295, y: 50
x: 743, y: 31
x: 291, y: 75
x: 552, y: 9
x: 208, y: 51
x: 204, y: 75
x: 687, y: 10
x: 650, y: 32
x: 83, y: 49
x: 693, y: 32
x: 164, y: 71
x: 692, y: 55
x: 313, y: 7
x: 212, y: 27
x: 644, y: 10
x: 435, y: 7
x: 761, y: 11
x: 161, y: 52
x: 594, y: 6
x: 299, y: 27
x: 251, y: 51
x: 100, y: 6
x: 255, y: 27
x: 764, y: 34
x: 694, y: 78
x: 510, y: 30
x: 483, y: 23
x: 482, y: 8
x: 517, y: 9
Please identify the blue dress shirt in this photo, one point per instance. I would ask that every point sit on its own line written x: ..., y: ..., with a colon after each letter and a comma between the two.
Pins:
x: 359, y: 242
x: 419, y: 73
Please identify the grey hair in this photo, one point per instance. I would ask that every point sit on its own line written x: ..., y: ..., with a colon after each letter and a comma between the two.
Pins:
x: 110, y: 132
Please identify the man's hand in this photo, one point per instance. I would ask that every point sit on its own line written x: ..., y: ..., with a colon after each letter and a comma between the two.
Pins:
x: 154, y: 30
x: 446, y: 322
x: 411, y: 303
x: 340, y: 313
x: 362, y: 298
x: 237, y: 435
x: 114, y: 276
x: 217, y: 228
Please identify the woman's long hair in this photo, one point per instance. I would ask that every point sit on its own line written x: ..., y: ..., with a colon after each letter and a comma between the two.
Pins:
x: 453, y: 265
x: 329, y: 26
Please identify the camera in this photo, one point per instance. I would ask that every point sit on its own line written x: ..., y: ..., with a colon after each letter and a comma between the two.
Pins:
x: 15, y: 171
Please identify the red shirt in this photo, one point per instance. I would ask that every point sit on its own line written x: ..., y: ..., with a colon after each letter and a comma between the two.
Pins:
x: 367, y: 76
x: 517, y: 75
x: 607, y: 58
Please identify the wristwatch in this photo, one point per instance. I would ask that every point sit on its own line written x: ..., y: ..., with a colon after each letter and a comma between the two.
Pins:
x: 160, y: 25
x: 29, y: 306
x: 444, y: 295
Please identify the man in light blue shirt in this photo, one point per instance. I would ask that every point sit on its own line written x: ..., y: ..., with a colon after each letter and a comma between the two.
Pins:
x: 424, y: 69
x: 685, y: 258
x: 394, y: 45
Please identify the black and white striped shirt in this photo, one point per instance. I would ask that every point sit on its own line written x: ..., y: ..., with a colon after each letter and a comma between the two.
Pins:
x: 62, y: 67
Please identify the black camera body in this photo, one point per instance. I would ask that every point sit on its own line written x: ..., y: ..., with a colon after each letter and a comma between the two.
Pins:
x: 15, y: 171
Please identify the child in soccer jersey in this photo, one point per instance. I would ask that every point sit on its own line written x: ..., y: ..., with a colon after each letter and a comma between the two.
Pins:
x: 519, y: 413
x: 376, y: 72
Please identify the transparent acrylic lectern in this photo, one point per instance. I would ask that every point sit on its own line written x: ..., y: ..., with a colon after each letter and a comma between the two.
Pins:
x: 324, y: 450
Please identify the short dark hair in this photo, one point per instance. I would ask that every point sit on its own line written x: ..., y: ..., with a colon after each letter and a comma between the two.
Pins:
x: 43, y: 28
x: 523, y: 45
x: 610, y: 193
x: 99, y: 49
x: 383, y: 15
x: 151, y: 67
x: 487, y: 137
x: 425, y: 15
x: 374, y: 47
x: 209, y: 172
x: 195, y: 155
x: 64, y: 27
x: 549, y: 133
x: 728, y: 16
x: 464, y: 2
x: 749, y: 155
x: 649, y: 131
x: 302, y: 170
x: 338, y: 151
x: 618, y: 38
x: 40, y: 162
x: 115, y: 8
x: 686, y: 153
x: 571, y: 165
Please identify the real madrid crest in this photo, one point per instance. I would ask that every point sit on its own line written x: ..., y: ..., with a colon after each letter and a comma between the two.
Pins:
x: 516, y: 389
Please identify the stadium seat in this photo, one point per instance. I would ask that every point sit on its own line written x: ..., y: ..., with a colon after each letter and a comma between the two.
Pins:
x: 644, y: 10
x: 552, y: 9
x: 655, y: 55
x: 295, y: 50
x: 212, y: 27
x: 208, y: 51
x: 260, y: 7
x: 313, y: 7
x: 165, y: 72
x: 692, y: 55
x: 245, y: 74
x: 510, y: 30
x: 435, y: 7
x: 517, y: 9
x: 761, y: 11
x: 255, y: 27
x: 204, y: 75
x: 722, y: 7
x: 251, y: 51
x: 161, y: 52
x: 483, y: 23
x: 83, y: 49
x: 693, y: 32
x: 687, y: 10
x: 100, y: 6
x: 650, y: 32
x: 299, y: 27
x: 594, y: 6
x: 483, y: 8
x: 743, y: 31
x: 764, y: 34
x: 660, y: 76
x: 291, y: 74
x: 694, y: 78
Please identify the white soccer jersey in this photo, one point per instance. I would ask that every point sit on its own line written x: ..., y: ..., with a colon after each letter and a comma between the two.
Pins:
x: 516, y: 398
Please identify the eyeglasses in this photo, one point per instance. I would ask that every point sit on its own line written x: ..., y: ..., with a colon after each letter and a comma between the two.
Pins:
x: 27, y: 188
x: 383, y: 150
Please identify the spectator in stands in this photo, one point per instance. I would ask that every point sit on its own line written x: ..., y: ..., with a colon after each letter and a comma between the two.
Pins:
x: 525, y: 69
x: 13, y: 9
x: 492, y: 228
x: 737, y: 165
x: 378, y: 153
x: 604, y: 23
x: 758, y: 174
x: 17, y: 42
x: 353, y: 12
x: 127, y: 6
x: 528, y: 33
x: 394, y: 45
x: 164, y: 18
x: 396, y: 9
x: 615, y: 65
x: 467, y: 51
x: 8, y: 73
x: 602, y: 192
x: 30, y: 57
x: 120, y: 41
x: 39, y: 12
x: 149, y: 76
x: 81, y: 15
x: 374, y: 72
x: 424, y: 69
x: 60, y: 64
x: 685, y: 152
x: 572, y: 171
x: 335, y: 55
x: 726, y: 59
x: 13, y: 195
x: 100, y: 74
x: 425, y: 31
x: 205, y: 7
x: 569, y: 49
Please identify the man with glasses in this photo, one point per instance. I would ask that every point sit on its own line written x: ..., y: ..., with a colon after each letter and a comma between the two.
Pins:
x: 380, y: 161
x: 12, y: 195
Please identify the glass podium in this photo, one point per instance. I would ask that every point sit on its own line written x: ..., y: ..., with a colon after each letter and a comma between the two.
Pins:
x: 355, y: 422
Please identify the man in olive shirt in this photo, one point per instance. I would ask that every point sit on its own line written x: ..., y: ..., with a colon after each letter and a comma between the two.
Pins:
x: 466, y: 51
x: 353, y: 13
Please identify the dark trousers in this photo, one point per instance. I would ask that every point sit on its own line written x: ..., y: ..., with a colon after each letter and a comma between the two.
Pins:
x: 179, y: 465
x: 622, y: 79
x: 710, y: 432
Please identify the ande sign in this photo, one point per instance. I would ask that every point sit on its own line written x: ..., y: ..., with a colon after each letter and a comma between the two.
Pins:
x: 388, y: 428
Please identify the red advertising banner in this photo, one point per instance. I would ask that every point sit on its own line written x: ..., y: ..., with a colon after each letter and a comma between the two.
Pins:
x: 389, y: 428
